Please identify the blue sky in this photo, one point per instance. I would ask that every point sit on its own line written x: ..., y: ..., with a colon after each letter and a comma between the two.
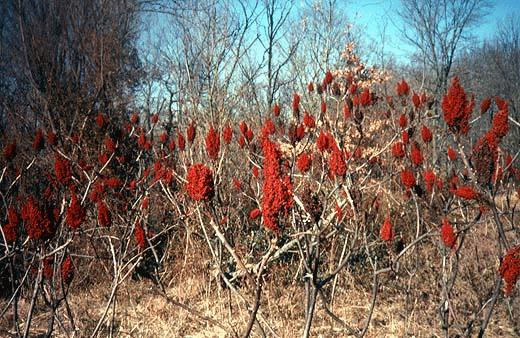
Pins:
x: 371, y: 14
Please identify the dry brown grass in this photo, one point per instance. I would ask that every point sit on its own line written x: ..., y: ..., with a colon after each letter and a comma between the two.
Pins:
x: 142, y: 312
x: 407, y: 304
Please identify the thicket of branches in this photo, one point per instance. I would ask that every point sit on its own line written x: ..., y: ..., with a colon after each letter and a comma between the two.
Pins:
x: 135, y: 133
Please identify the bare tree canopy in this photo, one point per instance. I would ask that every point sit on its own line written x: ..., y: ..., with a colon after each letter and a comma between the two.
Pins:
x: 63, y: 57
x: 437, y: 28
x: 493, y: 68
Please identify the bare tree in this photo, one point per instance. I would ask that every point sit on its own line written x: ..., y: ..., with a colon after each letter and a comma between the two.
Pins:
x: 323, y: 30
x: 437, y: 28
x: 64, y: 60
x: 493, y: 68
x: 198, y: 65
x: 503, y: 55
x: 277, y: 15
